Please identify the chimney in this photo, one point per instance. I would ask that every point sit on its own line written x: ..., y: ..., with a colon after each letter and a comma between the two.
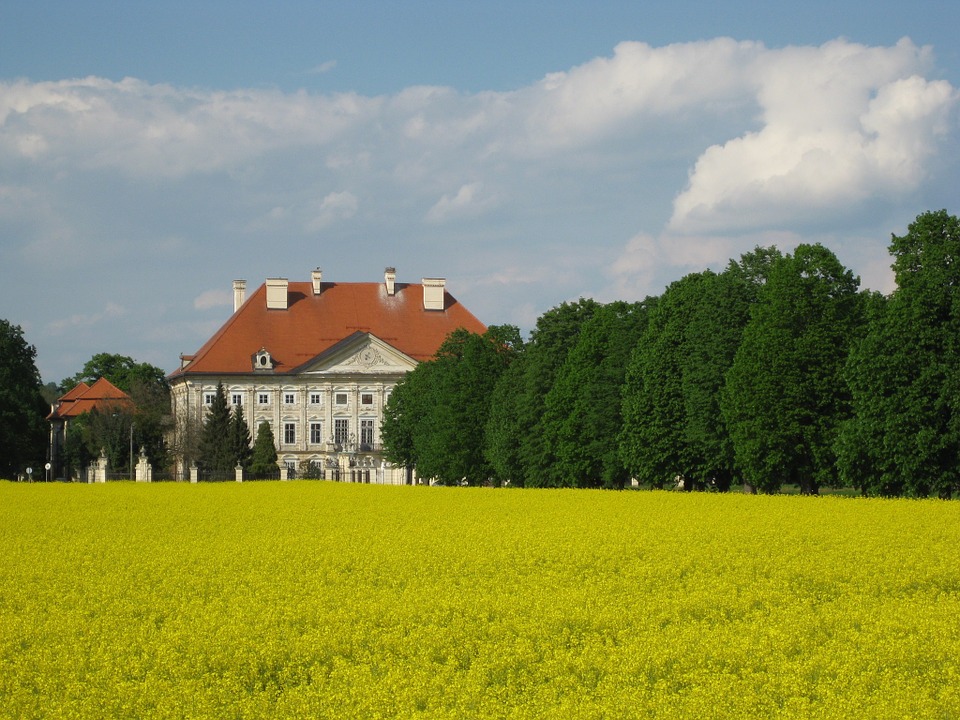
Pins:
x: 390, y: 279
x: 276, y: 293
x: 317, y: 277
x: 239, y: 293
x: 433, y: 293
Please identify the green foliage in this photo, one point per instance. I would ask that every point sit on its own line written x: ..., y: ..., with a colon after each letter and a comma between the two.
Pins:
x: 263, y: 461
x: 23, y: 432
x: 240, y: 438
x: 432, y: 419
x: 652, y: 439
x: 216, y: 440
x: 121, y: 370
x: 556, y: 333
x: 583, y: 408
x: 785, y: 397
x: 905, y: 373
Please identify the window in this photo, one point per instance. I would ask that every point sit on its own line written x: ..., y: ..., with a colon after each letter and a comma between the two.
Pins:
x: 316, y: 433
x: 263, y: 398
x: 341, y: 430
x: 289, y: 398
x: 208, y: 398
x: 366, y: 399
x: 316, y: 398
x: 289, y: 433
x: 236, y: 399
x: 341, y: 399
x: 366, y: 433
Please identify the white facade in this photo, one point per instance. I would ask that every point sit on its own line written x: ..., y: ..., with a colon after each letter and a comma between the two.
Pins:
x: 325, y: 419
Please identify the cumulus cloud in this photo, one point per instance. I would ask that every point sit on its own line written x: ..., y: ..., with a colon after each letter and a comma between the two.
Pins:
x: 619, y: 174
x: 842, y: 123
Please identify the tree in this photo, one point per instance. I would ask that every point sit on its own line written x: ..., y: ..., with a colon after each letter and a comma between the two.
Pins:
x: 904, y: 375
x: 583, y: 408
x: 533, y: 457
x: 652, y: 440
x: 432, y: 419
x: 263, y: 461
x: 240, y: 439
x: 711, y: 339
x: 147, y: 426
x: 784, y: 397
x: 23, y: 432
x: 121, y: 370
x: 216, y: 440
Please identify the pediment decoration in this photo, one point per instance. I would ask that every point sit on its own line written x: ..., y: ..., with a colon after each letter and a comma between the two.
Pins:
x: 360, y: 354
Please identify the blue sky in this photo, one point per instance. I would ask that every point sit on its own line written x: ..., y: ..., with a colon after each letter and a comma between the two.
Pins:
x: 532, y: 153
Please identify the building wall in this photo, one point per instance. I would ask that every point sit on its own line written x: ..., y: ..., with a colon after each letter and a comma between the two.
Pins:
x: 306, y: 404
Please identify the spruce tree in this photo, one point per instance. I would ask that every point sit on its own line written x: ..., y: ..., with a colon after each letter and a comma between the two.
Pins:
x: 216, y: 441
x: 263, y: 461
x: 240, y: 435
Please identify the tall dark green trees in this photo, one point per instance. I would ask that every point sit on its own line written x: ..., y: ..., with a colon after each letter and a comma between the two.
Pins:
x: 785, y: 397
x: 225, y: 439
x: 583, y: 408
x: 905, y: 373
x: 435, y: 417
x: 776, y: 371
x: 23, y: 432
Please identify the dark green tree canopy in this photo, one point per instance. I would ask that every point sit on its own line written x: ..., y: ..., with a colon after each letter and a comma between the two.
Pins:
x: 434, y: 418
x: 905, y: 373
x: 583, y: 408
x: 23, y: 430
x: 263, y: 461
x: 785, y: 397
x: 121, y: 370
x: 217, y: 451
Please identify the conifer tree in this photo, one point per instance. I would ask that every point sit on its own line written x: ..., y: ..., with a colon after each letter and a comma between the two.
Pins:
x: 216, y: 441
x: 240, y: 434
x: 263, y: 459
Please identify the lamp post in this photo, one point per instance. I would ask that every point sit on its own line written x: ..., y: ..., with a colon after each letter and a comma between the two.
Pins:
x: 132, y: 425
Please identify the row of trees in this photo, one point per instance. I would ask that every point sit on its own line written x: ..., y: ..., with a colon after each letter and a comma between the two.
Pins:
x: 776, y: 371
x: 224, y: 442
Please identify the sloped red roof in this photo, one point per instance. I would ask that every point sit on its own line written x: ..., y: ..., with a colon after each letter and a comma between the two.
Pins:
x: 84, y: 398
x: 312, y: 324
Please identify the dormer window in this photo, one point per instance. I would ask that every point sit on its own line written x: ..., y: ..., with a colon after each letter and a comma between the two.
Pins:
x: 262, y: 360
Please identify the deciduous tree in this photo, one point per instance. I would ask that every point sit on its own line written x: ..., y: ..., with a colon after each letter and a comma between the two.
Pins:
x: 23, y: 432
x: 905, y: 373
x: 784, y: 396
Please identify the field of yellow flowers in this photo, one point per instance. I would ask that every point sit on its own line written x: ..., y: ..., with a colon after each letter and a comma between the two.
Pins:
x: 314, y: 599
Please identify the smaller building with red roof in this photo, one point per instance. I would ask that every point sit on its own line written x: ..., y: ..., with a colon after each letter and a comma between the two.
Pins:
x: 103, y: 396
x: 317, y: 361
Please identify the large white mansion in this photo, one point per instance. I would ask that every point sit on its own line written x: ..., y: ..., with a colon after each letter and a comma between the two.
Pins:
x: 318, y: 360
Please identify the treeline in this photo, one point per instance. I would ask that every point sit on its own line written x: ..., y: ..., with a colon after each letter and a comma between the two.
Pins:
x: 777, y: 371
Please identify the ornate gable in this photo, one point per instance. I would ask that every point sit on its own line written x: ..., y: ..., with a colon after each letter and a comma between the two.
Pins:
x: 360, y: 354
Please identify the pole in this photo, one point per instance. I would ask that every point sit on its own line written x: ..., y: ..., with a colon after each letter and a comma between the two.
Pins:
x: 131, y: 449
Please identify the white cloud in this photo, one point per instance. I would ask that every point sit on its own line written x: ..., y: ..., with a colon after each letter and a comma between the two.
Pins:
x: 697, y: 152
x: 332, y: 208
x: 322, y: 68
x: 212, y: 299
x: 842, y: 123
x: 81, y: 321
x: 467, y: 202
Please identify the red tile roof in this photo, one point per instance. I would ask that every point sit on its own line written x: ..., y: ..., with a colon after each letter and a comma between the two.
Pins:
x: 84, y: 398
x: 312, y: 324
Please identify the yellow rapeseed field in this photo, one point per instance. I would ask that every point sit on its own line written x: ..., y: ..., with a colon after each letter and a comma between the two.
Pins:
x: 314, y: 599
